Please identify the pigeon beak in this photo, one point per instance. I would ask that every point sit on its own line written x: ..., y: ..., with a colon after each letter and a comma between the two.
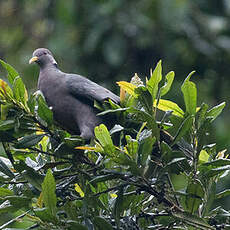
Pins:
x: 33, y: 59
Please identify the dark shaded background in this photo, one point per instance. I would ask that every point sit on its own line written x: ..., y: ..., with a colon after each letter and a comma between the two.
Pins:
x: 110, y: 40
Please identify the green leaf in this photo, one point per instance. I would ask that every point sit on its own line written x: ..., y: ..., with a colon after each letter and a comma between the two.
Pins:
x: 128, y: 87
x: 18, y: 201
x: 146, y: 117
x: 7, y: 207
x: 166, y: 105
x: 145, y: 149
x: 215, y: 111
x: 179, y: 182
x: 112, y: 111
x: 19, y: 90
x: 48, y: 191
x: 5, y: 91
x: 73, y: 225
x: 6, y: 125
x: 102, y: 223
x: 4, y: 169
x: 145, y: 99
x: 193, y: 220
x: 189, y: 91
x: 166, y: 151
x: 201, y: 115
x: 184, y: 127
x: 152, y: 84
x: 33, y: 177
x: 117, y: 208
x: 4, y: 111
x: 103, y: 178
x: 218, y: 162
x: 43, y: 111
x: 12, y: 73
x: 169, y: 80
x: 216, y: 171
x: 5, y: 192
x: 103, y: 136
x: 29, y: 141
x: 45, y: 215
x: 203, y: 156
x: 79, y: 190
x: 132, y: 146
x: 195, y: 193
x: 223, y: 194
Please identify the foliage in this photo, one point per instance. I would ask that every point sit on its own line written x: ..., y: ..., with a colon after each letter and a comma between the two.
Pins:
x: 153, y: 170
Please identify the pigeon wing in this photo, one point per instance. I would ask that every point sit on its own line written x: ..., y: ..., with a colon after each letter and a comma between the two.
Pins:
x: 80, y: 86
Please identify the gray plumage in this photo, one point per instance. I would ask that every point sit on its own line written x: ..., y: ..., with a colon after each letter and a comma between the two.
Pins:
x: 71, y: 96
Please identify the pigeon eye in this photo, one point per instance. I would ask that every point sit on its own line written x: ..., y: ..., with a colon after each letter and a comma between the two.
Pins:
x: 45, y: 53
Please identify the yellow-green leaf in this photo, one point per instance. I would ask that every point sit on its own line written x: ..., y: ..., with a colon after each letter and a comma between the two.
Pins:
x: 128, y: 87
x: 166, y: 105
x: 103, y: 136
x: 166, y: 87
x: 189, y: 91
x: 20, y: 92
x: 152, y: 83
x: 5, y: 90
x: 203, y: 157
x: 79, y: 190
x: 86, y: 148
x: 12, y: 73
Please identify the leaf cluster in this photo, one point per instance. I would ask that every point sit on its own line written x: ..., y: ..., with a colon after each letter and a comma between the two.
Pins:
x: 155, y: 169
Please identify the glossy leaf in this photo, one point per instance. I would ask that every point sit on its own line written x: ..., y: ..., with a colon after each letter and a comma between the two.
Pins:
x: 145, y: 149
x: 103, y: 136
x: 19, y: 89
x: 5, y: 192
x: 145, y: 99
x: 43, y: 111
x: 195, y: 193
x: 193, y: 220
x: 44, y: 214
x: 12, y: 73
x: 166, y: 105
x: 101, y: 223
x: 48, y: 190
x: 179, y: 182
x: 132, y: 146
x: 18, y: 201
x: 6, y: 125
x: 215, y: 111
x: 103, y: 178
x: 117, y: 208
x: 169, y: 80
x: 79, y: 190
x: 189, y: 91
x: 203, y: 156
x: 184, y: 127
x: 223, y: 194
x: 218, y: 162
x: 5, y: 90
x: 29, y: 141
x: 128, y: 87
x: 216, y: 171
x: 155, y: 78
x: 201, y: 115
x: 5, y: 169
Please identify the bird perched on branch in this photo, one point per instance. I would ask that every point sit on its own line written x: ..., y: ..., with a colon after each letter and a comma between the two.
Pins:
x: 71, y: 96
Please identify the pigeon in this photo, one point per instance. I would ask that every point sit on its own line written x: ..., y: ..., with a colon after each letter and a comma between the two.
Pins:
x: 71, y: 96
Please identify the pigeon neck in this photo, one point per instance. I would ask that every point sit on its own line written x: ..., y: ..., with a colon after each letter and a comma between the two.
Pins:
x: 49, y: 66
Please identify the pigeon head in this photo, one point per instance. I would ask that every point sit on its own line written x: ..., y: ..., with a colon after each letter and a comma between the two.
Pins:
x: 43, y: 57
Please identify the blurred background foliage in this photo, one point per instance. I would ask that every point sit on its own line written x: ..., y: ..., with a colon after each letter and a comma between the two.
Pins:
x: 110, y: 40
